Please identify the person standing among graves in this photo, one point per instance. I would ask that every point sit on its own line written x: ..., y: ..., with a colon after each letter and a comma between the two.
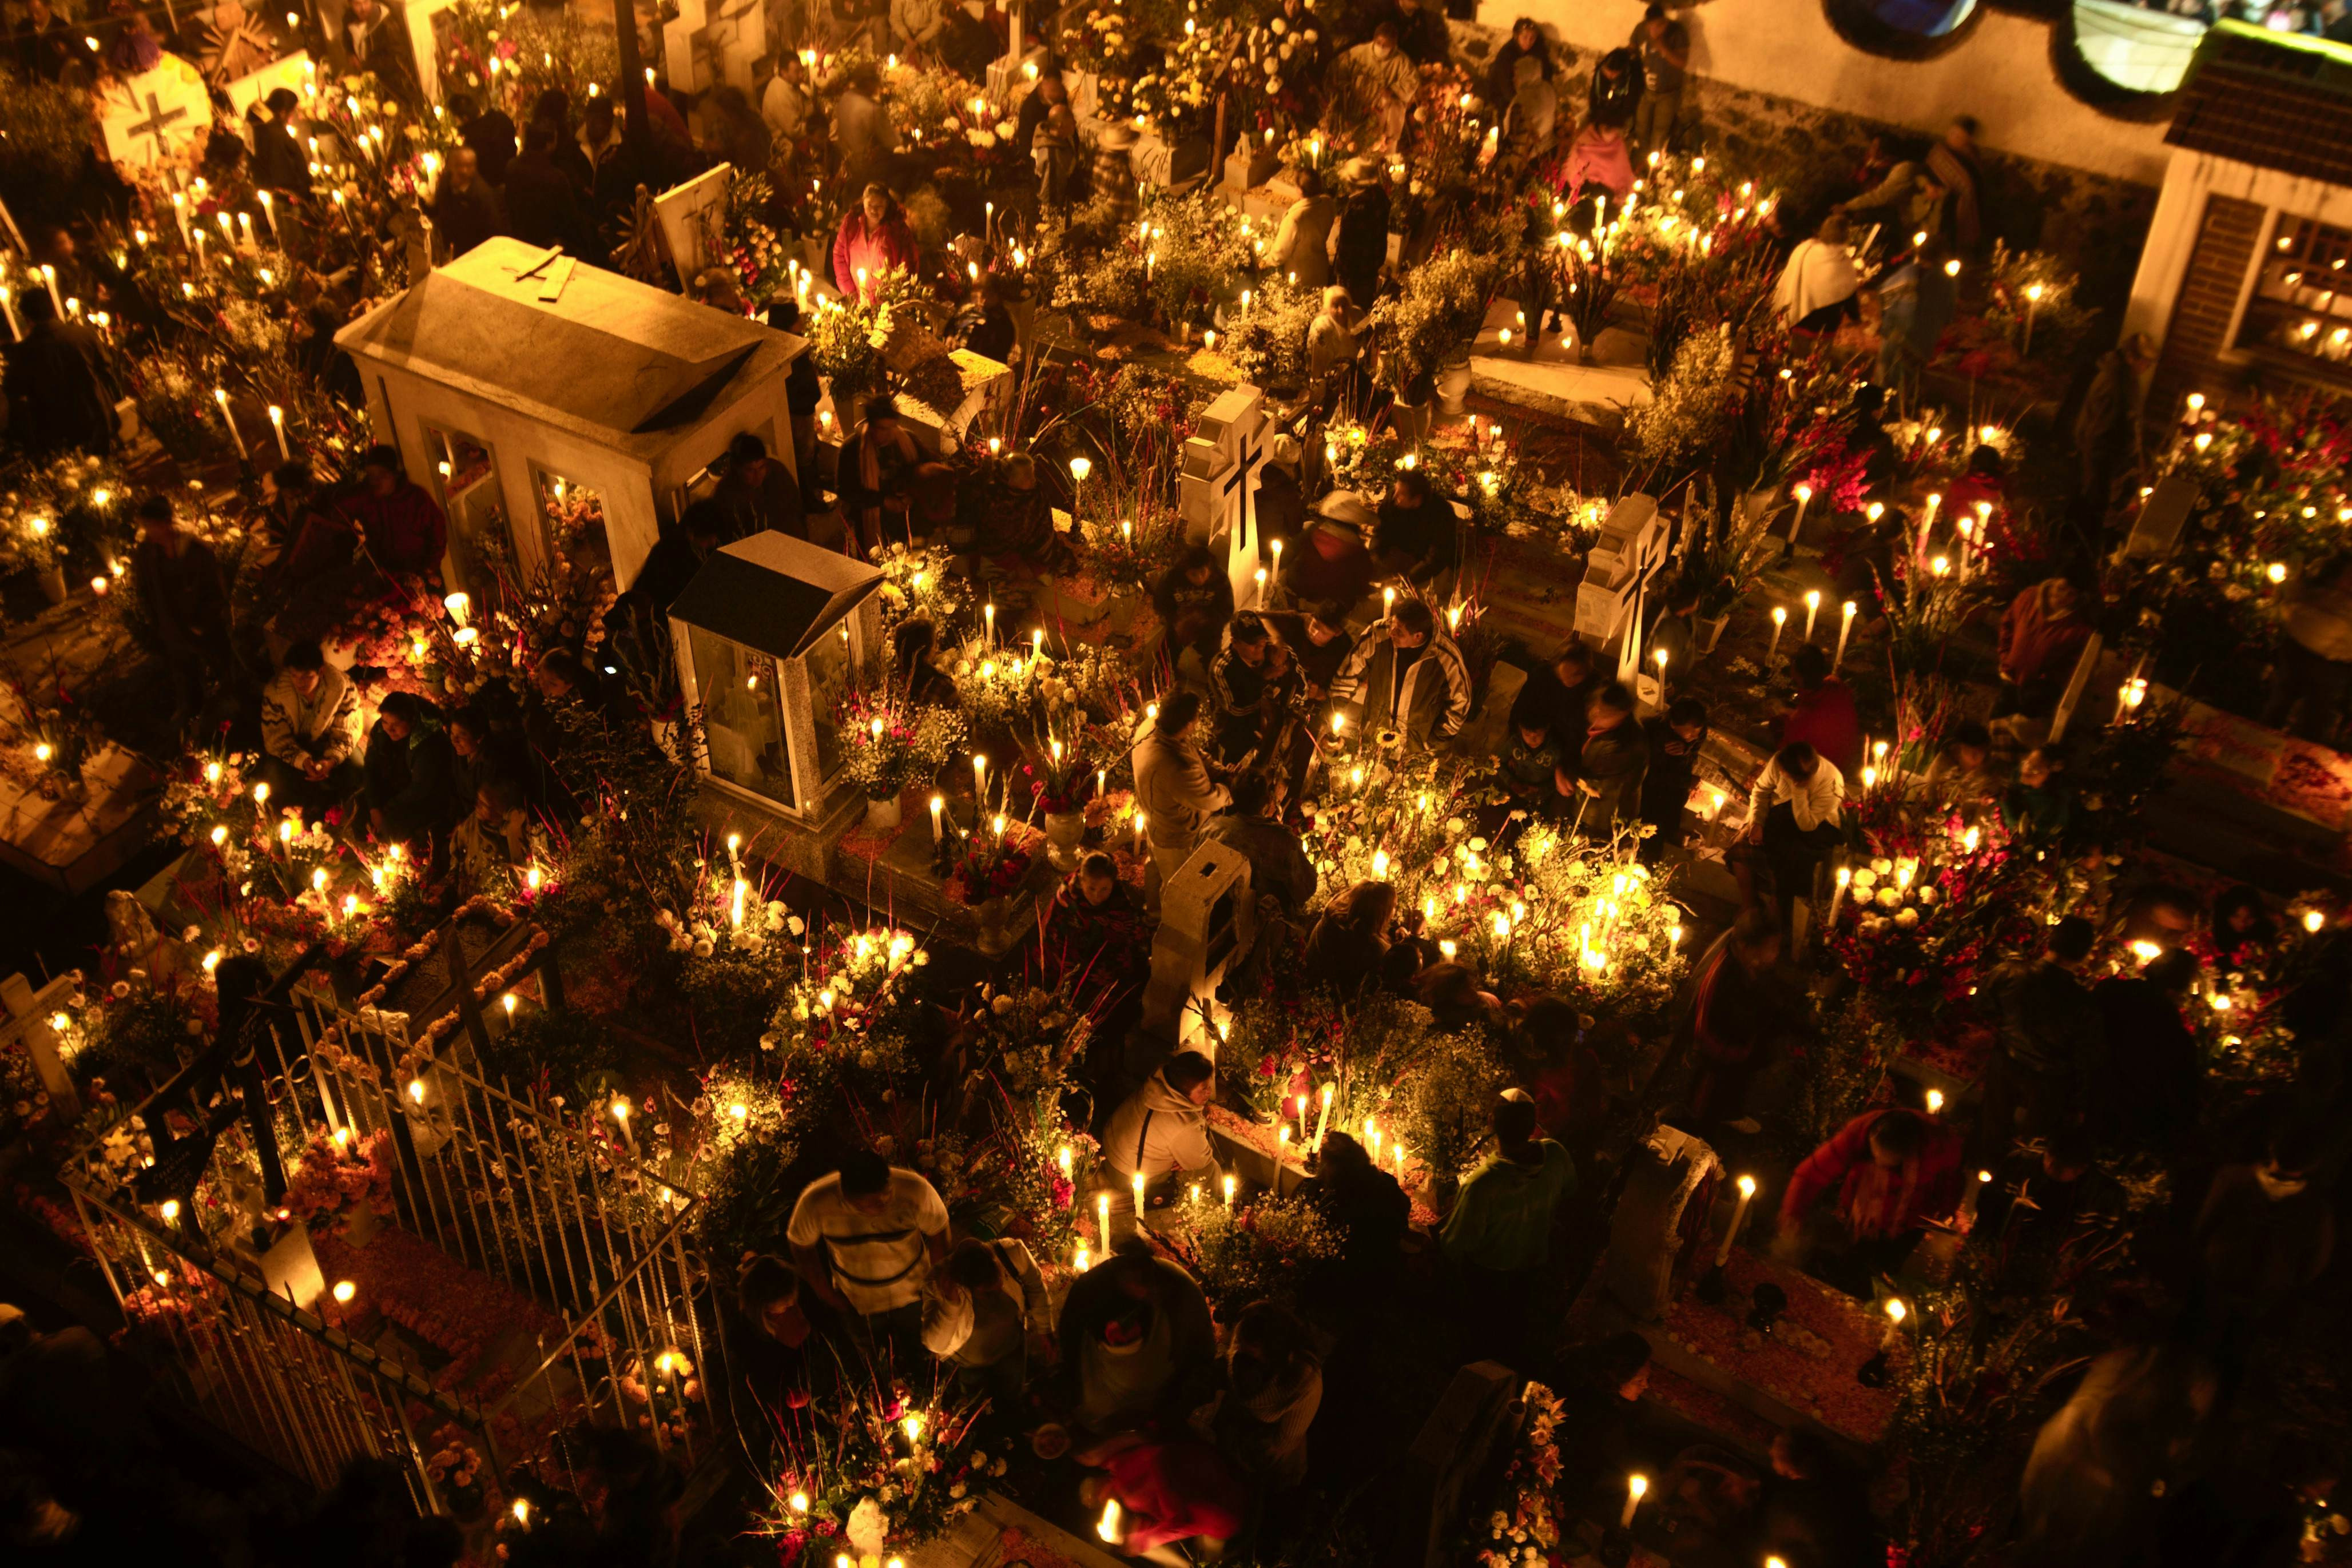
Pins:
x: 1737, y: 1013
x: 1499, y: 1235
x: 1279, y: 868
x: 756, y: 495
x: 986, y: 1314
x: 1824, y: 715
x: 2041, y: 637
x: 1194, y: 601
x: 310, y: 727
x: 1237, y: 686
x: 1362, y: 247
x: 1137, y: 1342
x: 2049, y: 1050
x: 875, y: 239
x: 1675, y: 739
x: 60, y: 394
x: 2314, y: 668
x: 1301, y: 247
x: 2109, y: 442
x: 1418, y: 535
x: 1663, y: 47
x: 876, y: 477
x: 466, y: 209
x: 1532, y: 762
x: 410, y: 776
x: 866, y: 1239
x: 403, y: 528
x: 1096, y: 935
x: 1174, y: 790
x: 1884, y: 1174
x: 1795, y: 816
x: 1609, y: 764
x: 1406, y: 675
x: 179, y: 582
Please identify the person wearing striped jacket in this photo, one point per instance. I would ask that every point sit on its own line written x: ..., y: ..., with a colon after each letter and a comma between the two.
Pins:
x: 1408, y: 675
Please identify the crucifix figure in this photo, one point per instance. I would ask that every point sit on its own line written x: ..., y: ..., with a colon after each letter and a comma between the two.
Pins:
x: 157, y: 119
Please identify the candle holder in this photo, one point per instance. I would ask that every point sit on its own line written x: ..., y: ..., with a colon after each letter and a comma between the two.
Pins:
x: 1616, y: 1547
x: 1765, y: 1305
x: 1712, y: 1286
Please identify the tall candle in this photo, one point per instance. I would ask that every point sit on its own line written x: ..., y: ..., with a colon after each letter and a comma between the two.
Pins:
x: 49, y: 276
x: 1232, y: 1183
x: 938, y: 829
x: 1323, y: 1121
x: 1138, y: 834
x: 8, y: 306
x: 1738, y: 1212
x: 1970, y: 1199
x: 989, y: 612
x: 1779, y: 624
x: 1804, y: 494
x: 1102, y: 1219
x: 1837, y: 894
x: 1896, y: 1312
x: 278, y: 425
x: 1845, y: 629
x: 1635, y: 1487
x: 1812, y: 609
x: 1136, y: 1181
x: 979, y: 784
x: 220, y: 395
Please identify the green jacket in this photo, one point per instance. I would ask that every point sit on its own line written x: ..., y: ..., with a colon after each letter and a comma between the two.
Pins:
x: 1502, y: 1219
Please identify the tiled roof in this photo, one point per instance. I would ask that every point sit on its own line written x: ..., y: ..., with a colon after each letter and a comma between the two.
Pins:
x: 2271, y: 100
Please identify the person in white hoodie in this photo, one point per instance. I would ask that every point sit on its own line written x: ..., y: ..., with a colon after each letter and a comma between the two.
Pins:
x: 987, y: 1312
x: 1160, y: 1129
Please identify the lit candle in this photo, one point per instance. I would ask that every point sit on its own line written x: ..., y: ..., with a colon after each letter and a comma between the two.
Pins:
x: 989, y: 611
x: 1779, y: 624
x: 1837, y: 894
x: 939, y: 828
x: 1102, y: 1219
x: 1804, y: 494
x: 278, y: 424
x: 1110, y: 1527
x: 1232, y: 1183
x: 1970, y: 1199
x: 1896, y: 1312
x: 1927, y: 520
x: 1635, y: 1487
x: 1845, y: 629
x: 1738, y: 1212
x: 49, y: 276
x: 220, y: 395
x: 978, y: 783
x: 1812, y: 609
x: 1138, y: 835
x: 1935, y: 1102
x: 1323, y: 1120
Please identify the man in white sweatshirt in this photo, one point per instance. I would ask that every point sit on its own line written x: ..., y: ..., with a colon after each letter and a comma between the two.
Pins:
x: 309, y: 729
x: 1173, y: 789
x: 1796, y: 815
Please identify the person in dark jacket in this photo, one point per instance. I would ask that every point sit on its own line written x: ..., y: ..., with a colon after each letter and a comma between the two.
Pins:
x: 280, y: 164
x: 1417, y: 537
x: 1365, y: 1204
x: 1238, y: 691
x: 1739, y: 1011
x: 1556, y: 694
x: 2048, y: 1039
x: 553, y: 108
x: 1279, y: 868
x: 1676, y: 739
x: 181, y: 587
x: 411, y: 771
x: 465, y: 209
x: 1194, y: 600
x: 490, y: 136
x: 2148, y: 1097
x: 1362, y: 247
x: 60, y: 394
x: 994, y: 335
x: 1611, y: 764
x: 542, y: 208
x: 1531, y: 762
x: 1349, y: 945
x: 677, y: 555
x: 757, y: 494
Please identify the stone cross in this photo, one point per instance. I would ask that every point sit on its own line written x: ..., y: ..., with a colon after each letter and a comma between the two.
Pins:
x: 146, y: 118
x: 1657, y: 1224
x: 1631, y: 546
x: 2161, y: 517
x: 689, y: 213
x: 1208, y: 918
x: 1217, y: 492
x: 713, y: 41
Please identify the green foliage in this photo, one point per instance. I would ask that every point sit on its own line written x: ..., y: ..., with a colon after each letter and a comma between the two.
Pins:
x: 45, y: 132
x: 572, y: 1053
x: 1438, y: 313
x: 1689, y: 409
x: 1268, y: 341
x: 1260, y: 1253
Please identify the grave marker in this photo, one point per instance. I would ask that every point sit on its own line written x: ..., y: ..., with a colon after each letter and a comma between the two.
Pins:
x: 1217, y: 492
x: 1632, y: 548
x: 149, y: 117
x: 2161, y: 517
x: 1208, y: 919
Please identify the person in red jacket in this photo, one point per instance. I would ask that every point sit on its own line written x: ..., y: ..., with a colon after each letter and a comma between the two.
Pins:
x: 1824, y: 715
x: 403, y: 530
x: 1887, y: 1174
x: 2040, y: 638
x: 875, y: 239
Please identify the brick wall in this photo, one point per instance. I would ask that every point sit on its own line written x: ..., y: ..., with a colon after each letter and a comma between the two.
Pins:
x: 2226, y: 237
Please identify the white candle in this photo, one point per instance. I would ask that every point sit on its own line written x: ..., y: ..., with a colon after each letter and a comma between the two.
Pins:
x: 1738, y: 1212
x: 1323, y: 1121
x: 1232, y: 1183
x: 8, y: 305
x: 1102, y: 1219
x: 1635, y: 1487
x: 1136, y: 1181
x: 1804, y: 494
x: 220, y: 395
x: 49, y: 276
x: 270, y: 213
x: 278, y: 424
x: 1970, y: 1199
x: 1779, y: 624
x: 1896, y: 1312
x: 1812, y: 609
x: 1837, y: 894
x: 1845, y: 629
x: 938, y: 829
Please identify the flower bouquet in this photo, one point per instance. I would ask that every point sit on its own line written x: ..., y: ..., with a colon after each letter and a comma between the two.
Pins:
x: 50, y: 506
x: 335, y: 1177
x: 895, y: 744
x: 1522, y: 1527
x: 992, y: 863
x: 1261, y: 1252
x: 877, y: 1471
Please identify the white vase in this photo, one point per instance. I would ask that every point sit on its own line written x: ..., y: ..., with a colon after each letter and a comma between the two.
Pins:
x: 1710, y: 631
x: 1063, y: 830
x: 1410, y: 420
x: 883, y: 815
x: 53, y: 584
x: 1452, y: 386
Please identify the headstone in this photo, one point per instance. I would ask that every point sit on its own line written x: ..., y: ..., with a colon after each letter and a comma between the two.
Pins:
x: 423, y: 44
x: 2161, y: 517
x: 986, y: 383
x: 1207, y: 922
x: 2076, y: 684
x: 29, y: 1015
x: 1250, y: 164
x: 714, y: 41
x: 1010, y: 80
x: 148, y: 117
x: 685, y: 210
x: 290, y: 1268
x: 1217, y: 492
x: 1632, y: 548
x: 1655, y: 1223
x: 1451, y: 1456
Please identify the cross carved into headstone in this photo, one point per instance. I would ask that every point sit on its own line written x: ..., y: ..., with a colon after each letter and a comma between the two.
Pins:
x: 1218, y: 490
x: 157, y: 119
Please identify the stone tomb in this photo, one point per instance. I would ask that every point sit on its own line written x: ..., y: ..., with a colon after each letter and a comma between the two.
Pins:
x: 771, y: 634
x: 1631, y: 550
x: 627, y: 390
x: 1208, y: 918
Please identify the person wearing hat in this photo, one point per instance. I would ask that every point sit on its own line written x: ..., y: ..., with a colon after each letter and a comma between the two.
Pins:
x: 1362, y: 248
x: 1499, y: 1233
x: 1301, y: 251
x: 279, y: 163
x: 1137, y: 1342
x: 1014, y: 520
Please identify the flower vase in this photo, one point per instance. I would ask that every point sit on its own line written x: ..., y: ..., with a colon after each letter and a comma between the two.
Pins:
x: 1063, y: 831
x: 1452, y: 387
x: 1710, y: 631
x: 884, y: 813
x: 1410, y: 421
x: 53, y: 584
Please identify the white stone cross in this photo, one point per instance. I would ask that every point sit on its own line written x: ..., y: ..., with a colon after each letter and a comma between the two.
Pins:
x: 1217, y: 491
x: 1633, y: 546
x: 149, y: 116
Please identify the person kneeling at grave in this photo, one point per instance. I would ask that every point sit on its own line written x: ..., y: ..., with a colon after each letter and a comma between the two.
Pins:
x: 1013, y: 521
x: 1160, y: 1131
x: 1406, y: 675
x: 1136, y: 1341
x: 1095, y: 938
x: 987, y: 1313
x: 1885, y: 1175
x: 310, y: 727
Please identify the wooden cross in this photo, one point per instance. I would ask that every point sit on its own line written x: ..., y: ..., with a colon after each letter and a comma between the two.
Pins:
x: 155, y: 122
